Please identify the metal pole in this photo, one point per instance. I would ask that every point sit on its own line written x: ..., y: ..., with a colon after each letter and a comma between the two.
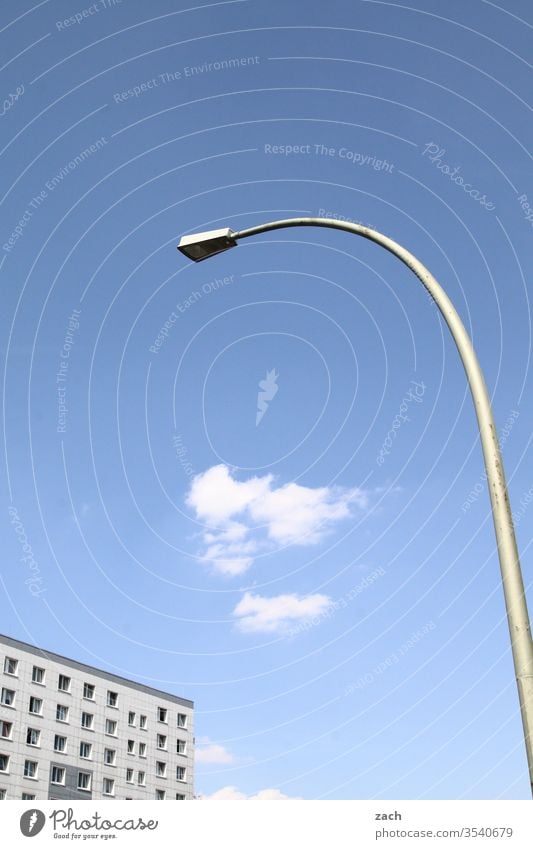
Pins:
x: 513, y: 586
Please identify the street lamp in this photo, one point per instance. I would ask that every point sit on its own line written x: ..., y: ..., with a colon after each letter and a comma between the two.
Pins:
x: 203, y: 245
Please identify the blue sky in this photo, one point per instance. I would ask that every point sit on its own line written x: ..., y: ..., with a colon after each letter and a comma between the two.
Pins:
x: 320, y: 578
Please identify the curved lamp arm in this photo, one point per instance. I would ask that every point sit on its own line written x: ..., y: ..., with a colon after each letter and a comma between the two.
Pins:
x: 203, y: 245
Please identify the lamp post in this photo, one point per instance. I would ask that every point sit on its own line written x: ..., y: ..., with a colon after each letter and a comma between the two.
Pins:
x: 203, y: 245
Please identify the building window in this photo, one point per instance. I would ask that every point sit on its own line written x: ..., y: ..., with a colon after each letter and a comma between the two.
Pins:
x: 2, y: 792
x: 10, y: 666
x: 57, y: 775
x: 142, y: 721
x: 141, y: 778
x: 8, y: 697
x: 109, y: 787
x: 4, y: 763
x: 180, y: 797
x: 28, y: 797
x: 87, y: 720
x: 33, y: 735
x: 112, y: 698
x: 161, y: 769
x: 182, y: 720
x: 110, y: 756
x: 142, y: 750
x: 181, y: 773
x: 6, y: 729
x: 129, y: 776
x: 60, y: 743
x: 30, y: 769
x: 131, y: 747
x: 62, y: 713
x: 161, y: 741
x: 88, y: 691
x: 84, y: 780
x: 162, y: 714
x: 36, y: 706
x: 63, y: 683
x: 37, y: 675
x: 181, y: 747
x: 111, y: 727
x: 131, y: 718
x: 160, y: 794
x: 86, y: 750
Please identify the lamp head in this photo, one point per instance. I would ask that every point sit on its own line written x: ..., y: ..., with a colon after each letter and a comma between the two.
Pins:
x: 199, y: 246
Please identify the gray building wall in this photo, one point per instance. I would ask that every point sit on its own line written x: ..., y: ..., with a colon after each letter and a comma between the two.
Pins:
x: 70, y: 789
x: 132, y: 698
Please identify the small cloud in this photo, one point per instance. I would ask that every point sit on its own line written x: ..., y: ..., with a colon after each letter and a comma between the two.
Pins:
x: 233, y: 794
x: 259, y: 614
x: 214, y: 754
x: 229, y: 557
x: 254, y: 515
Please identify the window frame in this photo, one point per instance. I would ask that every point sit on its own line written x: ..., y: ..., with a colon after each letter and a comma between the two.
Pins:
x: 60, y: 737
x: 3, y: 723
x: 89, y: 727
x: 36, y: 731
x: 113, y: 753
x: 39, y: 669
x: 105, y: 781
x: 112, y: 699
x: 60, y: 769
x: 88, y: 757
x: 114, y: 723
x: 61, y: 679
x: 35, y: 712
x: 89, y: 781
x: 7, y: 661
x: 60, y: 709
x: 35, y: 775
x: 6, y: 690
x: 91, y: 687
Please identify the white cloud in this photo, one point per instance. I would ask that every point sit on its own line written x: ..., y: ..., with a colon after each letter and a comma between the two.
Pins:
x: 232, y: 793
x: 216, y: 496
x: 254, y: 514
x: 230, y: 558
x: 214, y: 754
x: 259, y: 614
x: 301, y: 515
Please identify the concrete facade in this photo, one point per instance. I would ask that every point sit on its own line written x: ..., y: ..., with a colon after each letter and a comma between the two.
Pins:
x: 82, y: 733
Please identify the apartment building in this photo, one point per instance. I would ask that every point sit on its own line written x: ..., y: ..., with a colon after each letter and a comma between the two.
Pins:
x: 71, y: 731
